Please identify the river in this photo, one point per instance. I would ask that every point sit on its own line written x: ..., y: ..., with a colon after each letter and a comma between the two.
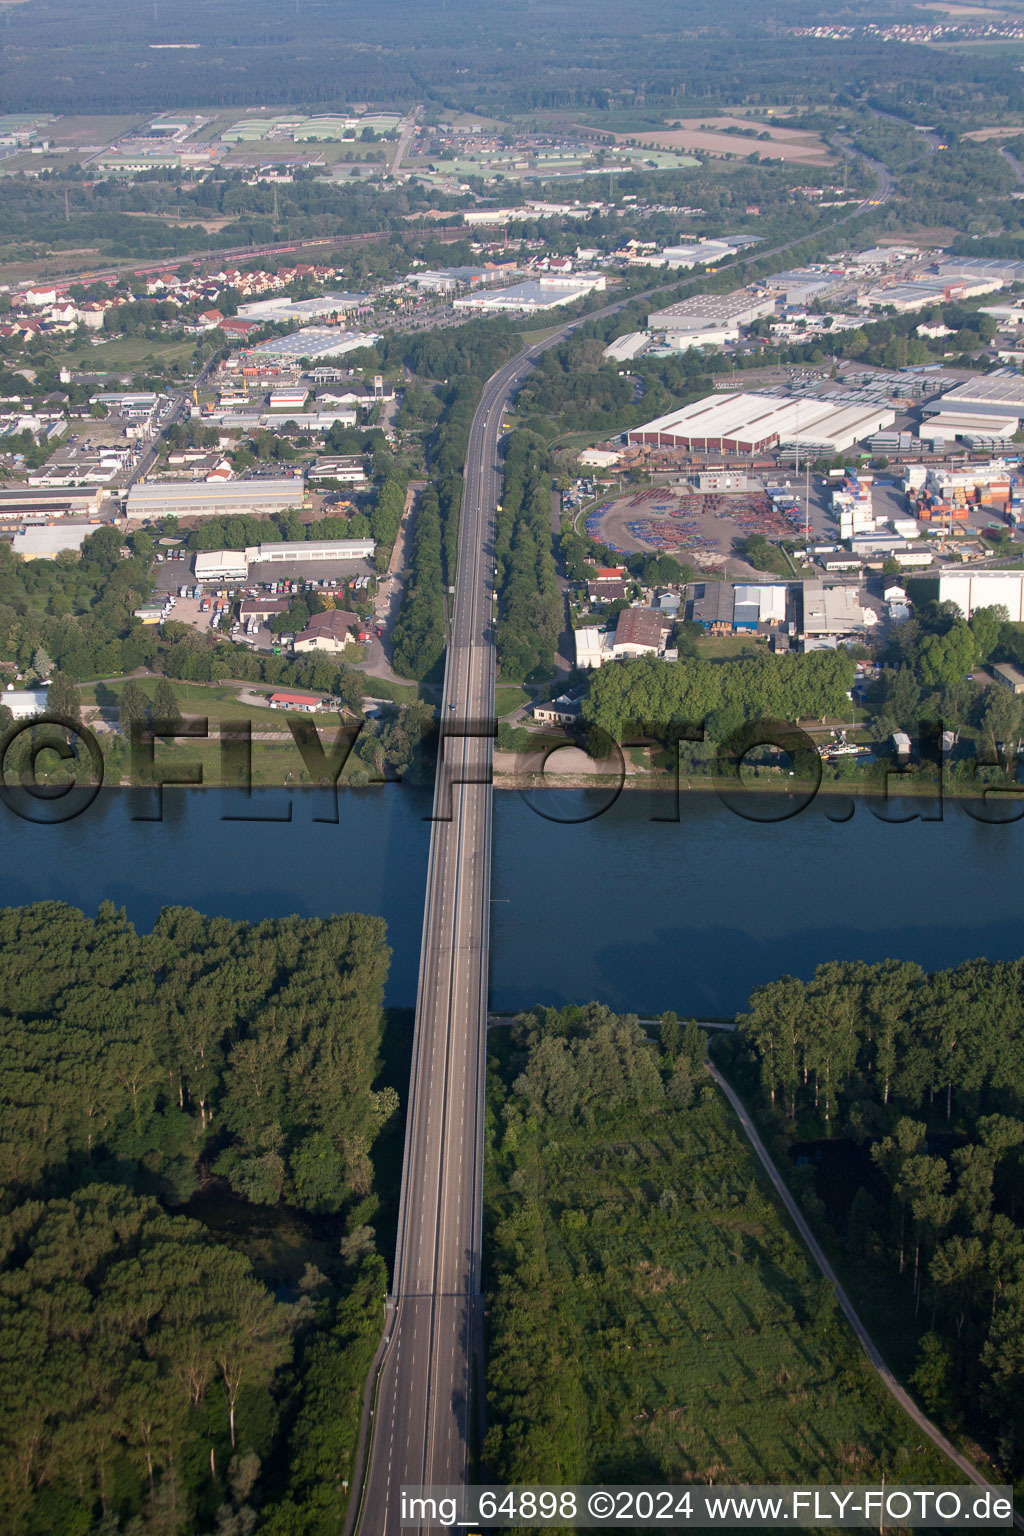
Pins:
x: 643, y: 915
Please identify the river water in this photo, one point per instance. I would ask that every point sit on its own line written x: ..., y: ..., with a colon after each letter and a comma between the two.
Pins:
x: 641, y: 914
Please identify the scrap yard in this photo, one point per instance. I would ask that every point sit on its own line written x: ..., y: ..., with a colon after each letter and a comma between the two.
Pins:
x: 699, y: 527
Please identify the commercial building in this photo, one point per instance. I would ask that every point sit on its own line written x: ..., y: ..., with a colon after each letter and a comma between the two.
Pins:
x: 329, y: 632
x: 325, y: 307
x: 288, y: 399
x: 167, y: 498
x: 305, y: 703
x: 451, y: 279
x: 51, y: 540
x: 345, y: 468
x: 540, y: 293
x: 314, y: 342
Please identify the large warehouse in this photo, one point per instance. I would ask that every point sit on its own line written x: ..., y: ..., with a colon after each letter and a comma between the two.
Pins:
x: 748, y: 423
x: 233, y: 564
x: 705, y: 310
x: 999, y: 395
x: 980, y: 589
x: 163, y: 498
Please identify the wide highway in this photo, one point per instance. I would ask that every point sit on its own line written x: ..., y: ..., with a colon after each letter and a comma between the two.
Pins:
x: 429, y: 1372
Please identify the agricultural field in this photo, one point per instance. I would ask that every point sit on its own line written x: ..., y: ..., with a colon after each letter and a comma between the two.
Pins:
x: 129, y: 352
x: 709, y: 136
x: 652, y: 1316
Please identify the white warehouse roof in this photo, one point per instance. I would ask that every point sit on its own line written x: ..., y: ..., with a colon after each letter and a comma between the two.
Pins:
x: 984, y: 589
x: 312, y: 549
x: 160, y: 497
x: 845, y: 426
x: 998, y: 394
x: 954, y: 424
x: 213, y: 564
x: 770, y: 602
x: 44, y: 543
x: 625, y: 347
x: 752, y: 421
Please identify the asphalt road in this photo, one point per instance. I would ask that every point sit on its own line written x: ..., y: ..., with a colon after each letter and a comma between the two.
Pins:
x: 423, y: 1395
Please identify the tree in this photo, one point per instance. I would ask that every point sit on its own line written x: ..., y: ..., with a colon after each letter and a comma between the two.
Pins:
x: 42, y: 663
x: 131, y: 707
x: 62, y: 698
x: 165, y: 702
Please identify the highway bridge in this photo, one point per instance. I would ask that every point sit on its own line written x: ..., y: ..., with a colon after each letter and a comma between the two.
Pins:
x: 429, y: 1370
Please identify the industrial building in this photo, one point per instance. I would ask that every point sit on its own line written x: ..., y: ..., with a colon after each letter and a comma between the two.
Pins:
x: 234, y: 564
x: 311, y: 549
x: 24, y: 703
x: 26, y: 501
x: 706, y: 310
x: 1008, y: 676
x: 761, y: 604
x: 993, y: 395
x: 752, y: 423
x: 593, y: 648
x: 221, y: 565
x: 52, y: 539
x: 833, y: 611
x: 345, y: 468
x: 922, y: 293
x: 978, y: 432
x: 314, y: 342
x: 713, y: 607
x: 801, y: 285
x: 978, y: 589
x: 638, y: 632
x: 172, y: 498
x: 624, y: 348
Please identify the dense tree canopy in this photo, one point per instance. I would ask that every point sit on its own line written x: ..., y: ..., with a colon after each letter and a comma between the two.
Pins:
x: 924, y: 1072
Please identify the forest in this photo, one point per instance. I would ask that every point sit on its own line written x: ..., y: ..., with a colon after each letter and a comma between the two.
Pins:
x: 651, y: 1316
x: 650, y: 693
x: 58, y: 56
x: 914, y: 1079
x: 530, y: 605
x: 159, y: 1373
